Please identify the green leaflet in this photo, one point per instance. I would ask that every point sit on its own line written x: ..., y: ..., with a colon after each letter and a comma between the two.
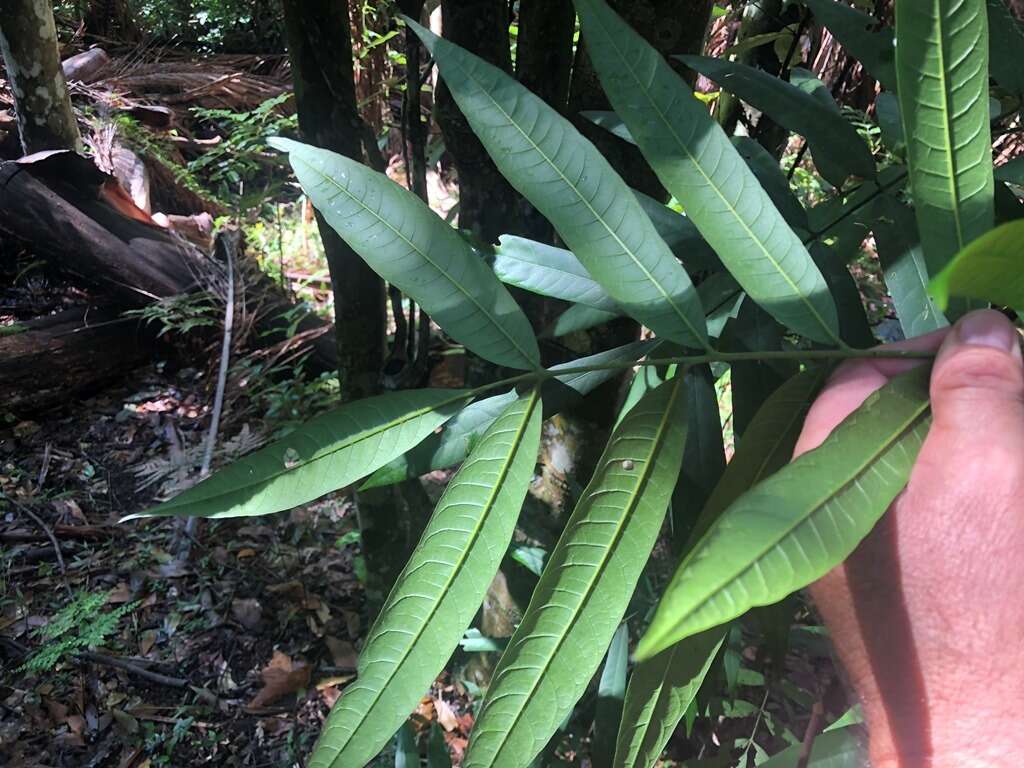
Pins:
x: 439, y: 590
x: 548, y: 271
x: 662, y: 687
x: 578, y: 317
x: 586, y: 585
x: 899, y: 251
x: 544, y: 157
x: 1012, y: 171
x: 699, y: 165
x: 837, y: 148
x: 942, y: 66
x: 326, y: 453
x: 463, y: 431
x: 989, y: 269
x: 859, y: 34
x: 659, y: 693
x: 408, y: 245
x: 792, y: 528
x: 406, y: 754
x: 1006, y: 41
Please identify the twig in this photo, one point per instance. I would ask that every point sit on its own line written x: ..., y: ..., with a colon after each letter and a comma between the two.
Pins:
x: 813, y: 728
x: 53, y: 540
x: 45, y: 468
x: 127, y: 666
x: 227, y: 242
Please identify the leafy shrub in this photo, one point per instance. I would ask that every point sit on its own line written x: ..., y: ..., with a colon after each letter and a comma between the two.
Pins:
x: 773, y: 276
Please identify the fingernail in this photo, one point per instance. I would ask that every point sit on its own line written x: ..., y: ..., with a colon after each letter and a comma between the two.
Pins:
x: 988, y: 329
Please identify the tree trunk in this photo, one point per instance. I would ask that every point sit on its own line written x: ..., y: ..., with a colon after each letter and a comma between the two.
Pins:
x: 321, y: 56
x: 544, y: 49
x: 672, y: 27
x: 28, y: 39
x: 488, y: 205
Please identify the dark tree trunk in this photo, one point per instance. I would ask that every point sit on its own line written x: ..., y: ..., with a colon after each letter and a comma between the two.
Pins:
x: 671, y: 26
x: 488, y: 205
x: 544, y: 50
x: 321, y: 56
x: 28, y: 39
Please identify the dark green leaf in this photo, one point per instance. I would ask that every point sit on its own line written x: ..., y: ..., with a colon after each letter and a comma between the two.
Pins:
x: 565, y: 177
x: 462, y: 433
x: 836, y: 749
x: 1006, y: 43
x: 698, y: 164
x: 798, y: 524
x: 767, y: 170
x: 326, y: 453
x: 412, y: 248
x: 579, y: 317
x: 837, y: 149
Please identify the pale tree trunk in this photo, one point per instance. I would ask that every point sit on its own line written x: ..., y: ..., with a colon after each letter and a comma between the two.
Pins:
x: 28, y: 39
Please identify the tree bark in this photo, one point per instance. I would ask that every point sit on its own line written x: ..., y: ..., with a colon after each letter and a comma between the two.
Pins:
x: 488, y: 205
x: 28, y: 39
x: 672, y: 27
x: 61, y: 356
x: 320, y: 51
x: 544, y: 49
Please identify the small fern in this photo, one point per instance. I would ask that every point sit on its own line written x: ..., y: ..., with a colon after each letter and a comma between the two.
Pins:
x: 80, y: 625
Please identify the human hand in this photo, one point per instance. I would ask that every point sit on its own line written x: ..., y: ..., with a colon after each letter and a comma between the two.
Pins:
x: 927, y: 615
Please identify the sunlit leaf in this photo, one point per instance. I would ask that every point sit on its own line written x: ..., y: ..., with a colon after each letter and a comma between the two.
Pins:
x: 699, y: 165
x: 795, y: 526
x: 568, y: 180
x: 942, y: 66
x: 990, y: 269
x: 586, y: 585
x: 439, y: 590
x: 412, y: 248
x: 328, y: 452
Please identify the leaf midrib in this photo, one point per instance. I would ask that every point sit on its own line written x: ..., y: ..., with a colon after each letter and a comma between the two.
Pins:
x: 457, y: 567
x: 625, y: 249
x: 634, y: 497
x: 906, y: 427
x: 462, y: 289
x: 682, y: 145
x: 947, y: 123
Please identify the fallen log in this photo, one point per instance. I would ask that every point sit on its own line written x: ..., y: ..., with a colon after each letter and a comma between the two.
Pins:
x: 47, y: 361
x: 82, y: 221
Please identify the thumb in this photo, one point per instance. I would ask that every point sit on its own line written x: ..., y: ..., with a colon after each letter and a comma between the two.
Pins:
x: 977, y: 384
